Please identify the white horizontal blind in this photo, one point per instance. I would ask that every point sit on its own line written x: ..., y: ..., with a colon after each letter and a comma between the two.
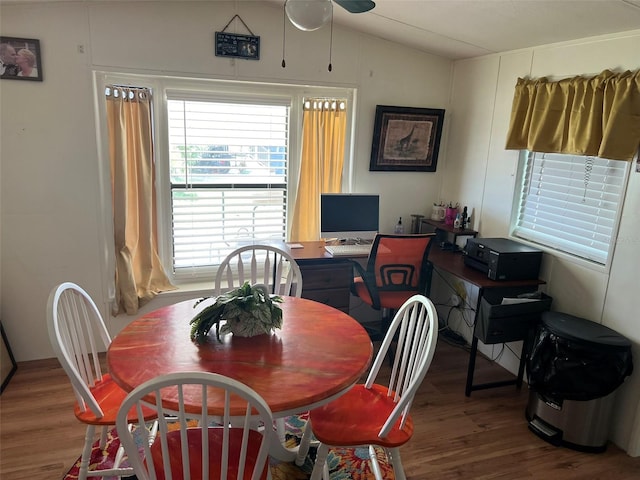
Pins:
x: 571, y: 203
x: 228, y: 173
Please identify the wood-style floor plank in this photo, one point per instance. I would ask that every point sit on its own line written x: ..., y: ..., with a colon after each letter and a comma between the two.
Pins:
x: 481, y: 437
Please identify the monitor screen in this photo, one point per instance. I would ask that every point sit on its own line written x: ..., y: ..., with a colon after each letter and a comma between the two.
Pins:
x: 349, y: 215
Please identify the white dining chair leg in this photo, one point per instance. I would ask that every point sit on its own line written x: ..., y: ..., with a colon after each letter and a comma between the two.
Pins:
x: 393, y: 455
x: 375, y: 466
x: 321, y: 463
x: 103, y: 437
x: 325, y: 472
x: 281, y: 430
x: 303, y: 447
x: 86, y: 452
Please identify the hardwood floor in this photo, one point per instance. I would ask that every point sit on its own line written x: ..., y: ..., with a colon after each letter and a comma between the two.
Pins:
x: 481, y: 437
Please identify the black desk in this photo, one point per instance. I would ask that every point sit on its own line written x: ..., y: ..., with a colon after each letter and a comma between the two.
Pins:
x: 327, y: 279
x: 453, y: 263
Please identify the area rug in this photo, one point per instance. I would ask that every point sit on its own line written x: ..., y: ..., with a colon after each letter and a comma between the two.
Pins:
x: 344, y: 464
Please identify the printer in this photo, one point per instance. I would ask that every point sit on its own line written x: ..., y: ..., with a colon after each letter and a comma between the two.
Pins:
x: 503, y: 259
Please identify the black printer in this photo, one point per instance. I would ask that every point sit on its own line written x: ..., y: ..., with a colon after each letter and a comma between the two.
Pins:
x: 503, y: 259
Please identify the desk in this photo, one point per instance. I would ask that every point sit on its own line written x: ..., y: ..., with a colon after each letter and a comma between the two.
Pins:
x: 325, y: 279
x: 318, y: 355
x: 453, y: 263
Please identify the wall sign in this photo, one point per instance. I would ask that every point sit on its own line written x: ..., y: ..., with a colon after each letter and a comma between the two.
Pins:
x: 237, y: 46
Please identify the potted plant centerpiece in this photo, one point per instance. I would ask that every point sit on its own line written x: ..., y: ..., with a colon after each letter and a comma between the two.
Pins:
x: 246, y: 311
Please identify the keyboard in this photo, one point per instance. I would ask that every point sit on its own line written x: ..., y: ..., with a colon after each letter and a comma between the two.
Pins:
x: 348, y: 250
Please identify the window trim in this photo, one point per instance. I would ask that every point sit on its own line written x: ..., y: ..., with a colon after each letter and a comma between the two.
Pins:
x: 208, y: 89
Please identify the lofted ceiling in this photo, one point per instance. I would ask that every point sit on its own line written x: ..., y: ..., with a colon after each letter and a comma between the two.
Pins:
x: 460, y: 29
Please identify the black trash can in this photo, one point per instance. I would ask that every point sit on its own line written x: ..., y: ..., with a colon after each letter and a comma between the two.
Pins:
x: 574, y: 369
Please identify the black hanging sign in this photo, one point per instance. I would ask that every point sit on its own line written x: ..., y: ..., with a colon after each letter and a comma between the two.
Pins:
x: 237, y: 46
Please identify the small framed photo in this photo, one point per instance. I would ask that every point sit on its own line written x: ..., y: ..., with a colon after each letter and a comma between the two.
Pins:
x: 8, y: 364
x: 406, y: 139
x: 20, y: 59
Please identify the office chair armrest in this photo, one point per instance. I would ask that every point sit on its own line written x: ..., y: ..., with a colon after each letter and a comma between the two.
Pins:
x: 358, y: 272
x: 369, y: 282
x: 425, y: 286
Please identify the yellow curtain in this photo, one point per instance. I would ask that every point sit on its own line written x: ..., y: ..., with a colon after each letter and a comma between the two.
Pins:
x: 597, y: 116
x: 139, y: 273
x: 324, y: 125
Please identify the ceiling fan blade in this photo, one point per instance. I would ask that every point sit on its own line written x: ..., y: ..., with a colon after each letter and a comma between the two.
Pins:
x: 356, y: 6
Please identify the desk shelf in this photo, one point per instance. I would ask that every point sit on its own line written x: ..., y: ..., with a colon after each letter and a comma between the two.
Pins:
x: 444, y: 231
x: 453, y: 263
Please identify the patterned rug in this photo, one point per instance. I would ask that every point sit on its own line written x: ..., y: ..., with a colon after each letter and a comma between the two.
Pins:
x: 344, y: 464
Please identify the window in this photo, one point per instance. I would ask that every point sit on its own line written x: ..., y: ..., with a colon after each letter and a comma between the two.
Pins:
x: 228, y: 165
x: 571, y: 203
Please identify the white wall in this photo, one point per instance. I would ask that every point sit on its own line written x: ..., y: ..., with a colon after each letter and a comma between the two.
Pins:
x: 52, y: 228
x: 481, y: 173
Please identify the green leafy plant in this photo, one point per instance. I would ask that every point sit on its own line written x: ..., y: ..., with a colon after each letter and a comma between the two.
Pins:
x: 247, y: 311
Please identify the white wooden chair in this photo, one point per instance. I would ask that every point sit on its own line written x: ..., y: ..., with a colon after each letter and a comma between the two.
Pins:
x: 265, y: 264
x: 197, y: 450
x: 371, y: 414
x: 77, y: 333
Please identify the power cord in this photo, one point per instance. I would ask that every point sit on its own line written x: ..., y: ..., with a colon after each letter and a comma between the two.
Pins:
x: 447, y: 334
x: 465, y: 305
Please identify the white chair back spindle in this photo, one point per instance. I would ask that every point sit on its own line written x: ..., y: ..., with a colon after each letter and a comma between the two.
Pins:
x: 222, y: 445
x: 260, y: 264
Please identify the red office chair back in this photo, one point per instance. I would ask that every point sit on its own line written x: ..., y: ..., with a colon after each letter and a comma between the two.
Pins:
x: 397, y: 268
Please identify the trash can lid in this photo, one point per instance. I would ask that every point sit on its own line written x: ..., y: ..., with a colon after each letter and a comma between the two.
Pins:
x: 580, y: 329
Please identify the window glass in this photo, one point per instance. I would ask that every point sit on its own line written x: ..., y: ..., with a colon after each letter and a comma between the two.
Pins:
x: 228, y: 172
x: 571, y: 203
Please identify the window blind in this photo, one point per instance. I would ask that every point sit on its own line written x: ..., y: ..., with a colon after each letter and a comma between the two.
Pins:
x: 571, y: 203
x: 228, y: 173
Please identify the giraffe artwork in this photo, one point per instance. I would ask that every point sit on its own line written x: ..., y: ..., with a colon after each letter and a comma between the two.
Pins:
x: 406, y: 139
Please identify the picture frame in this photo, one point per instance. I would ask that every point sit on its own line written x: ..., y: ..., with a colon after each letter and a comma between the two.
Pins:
x: 406, y: 139
x: 20, y: 59
x: 8, y: 365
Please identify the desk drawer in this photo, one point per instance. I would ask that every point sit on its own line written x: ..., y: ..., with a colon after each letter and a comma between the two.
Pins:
x: 335, y: 297
x: 334, y: 274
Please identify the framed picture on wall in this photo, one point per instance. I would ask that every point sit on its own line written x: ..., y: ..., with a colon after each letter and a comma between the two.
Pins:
x: 406, y: 139
x: 8, y: 364
x: 20, y: 59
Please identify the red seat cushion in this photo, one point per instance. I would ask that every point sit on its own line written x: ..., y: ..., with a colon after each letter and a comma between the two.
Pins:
x: 109, y: 396
x: 356, y: 417
x: 194, y: 439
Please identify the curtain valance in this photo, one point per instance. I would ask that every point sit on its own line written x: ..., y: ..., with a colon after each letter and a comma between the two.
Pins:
x: 596, y: 116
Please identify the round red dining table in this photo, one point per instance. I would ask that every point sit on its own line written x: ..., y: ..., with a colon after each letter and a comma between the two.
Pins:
x: 317, y: 355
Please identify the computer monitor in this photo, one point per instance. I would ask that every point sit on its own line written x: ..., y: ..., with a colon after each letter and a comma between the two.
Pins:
x: 349, y: 215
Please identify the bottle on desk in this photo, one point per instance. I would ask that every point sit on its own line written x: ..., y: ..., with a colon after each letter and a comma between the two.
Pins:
x: 399, y: 227
x: 464, y: 218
